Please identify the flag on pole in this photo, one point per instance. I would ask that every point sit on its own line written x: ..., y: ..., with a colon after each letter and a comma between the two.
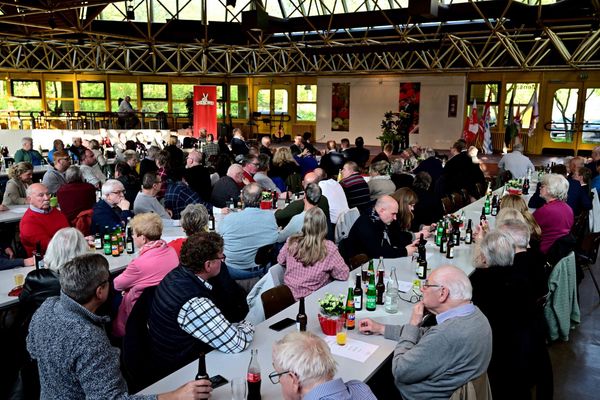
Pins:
x: 487, y: 134
x: 510, y: 130
x: 471, y: 125
x: 535, y: 114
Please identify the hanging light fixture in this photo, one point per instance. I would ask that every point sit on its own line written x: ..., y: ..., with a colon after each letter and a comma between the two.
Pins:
x: 130, y: 13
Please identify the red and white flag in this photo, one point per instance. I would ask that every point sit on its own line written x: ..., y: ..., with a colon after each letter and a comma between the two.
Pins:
x: 535, y: 114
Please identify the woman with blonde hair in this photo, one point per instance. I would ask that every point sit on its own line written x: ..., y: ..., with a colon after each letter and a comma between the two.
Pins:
x: 407, y: 199
x: 155, y: 260
x: 283, y: 164
x: 517, y: 202
x: 311, y: 261
x: 380, y: 183
x: 20, y: 176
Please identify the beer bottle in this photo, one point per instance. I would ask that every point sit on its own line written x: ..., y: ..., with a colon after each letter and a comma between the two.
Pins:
x: 526, y: 186
x: 422, y: 265
x: 371, y: 294
x: 38, y: 258
x: 391, y: 293
x: 450, y: 250
x: 129, y: 242
x: 469, y: 233
x: 495, y: 205
x: 438, y: 233
x: 201, y: 368
x: 443, y: 242
x: 358, y: 294
x: 380, y: 287
x: 301, y: 318
x: 486, y: 206
x: 253, y: 377
x: 107, y: 248
x: 456, y: 235
x: 350, y: 310
x: 98, y: 241
x: 211, y: 223
x: 482, y: 218
x: 274, y: 200
x: 114, y: 244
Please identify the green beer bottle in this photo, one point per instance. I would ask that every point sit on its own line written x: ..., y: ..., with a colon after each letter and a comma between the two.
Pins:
x: 371, y: 293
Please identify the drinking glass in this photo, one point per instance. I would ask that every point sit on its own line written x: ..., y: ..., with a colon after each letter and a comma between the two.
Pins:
x: 238, y: 389
x: 19, y: 279
x: 340, y: 331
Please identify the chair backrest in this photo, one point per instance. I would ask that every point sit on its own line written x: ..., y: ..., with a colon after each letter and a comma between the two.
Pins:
x: 589, y: 247
x: 276, y: 299
x: 447, y: 204
x: 136, y: 355
x: 344, y: 223
x: 465, y: 196
x: 265, y: 255
x: 83, y: 222
x: 480, y: 189
x: 358, y: 260
x: 294, y: 182
x: 476, y: 389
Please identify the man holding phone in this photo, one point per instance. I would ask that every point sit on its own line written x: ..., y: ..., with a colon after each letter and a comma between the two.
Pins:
x: 432, y: 362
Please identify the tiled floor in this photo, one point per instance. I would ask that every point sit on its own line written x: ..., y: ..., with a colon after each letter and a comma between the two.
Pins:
x: 576, y: 364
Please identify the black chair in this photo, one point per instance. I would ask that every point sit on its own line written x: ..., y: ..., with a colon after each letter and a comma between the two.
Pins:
x: 276, y: 299
x: 266, y: 256
x: 136, y: 358
x: 586, y: 255
x: 447, y: 204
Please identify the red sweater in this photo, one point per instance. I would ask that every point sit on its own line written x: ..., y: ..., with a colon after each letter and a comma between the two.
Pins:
x: 36, y: 227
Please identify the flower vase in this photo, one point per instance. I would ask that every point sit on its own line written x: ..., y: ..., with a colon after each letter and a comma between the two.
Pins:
x: 328, y: 323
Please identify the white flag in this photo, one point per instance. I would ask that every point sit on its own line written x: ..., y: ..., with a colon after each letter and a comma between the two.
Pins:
x: 535, y: 114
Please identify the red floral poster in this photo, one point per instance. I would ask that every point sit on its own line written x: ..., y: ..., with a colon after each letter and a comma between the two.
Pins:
x: 410, y: 95
x: 340, y: 107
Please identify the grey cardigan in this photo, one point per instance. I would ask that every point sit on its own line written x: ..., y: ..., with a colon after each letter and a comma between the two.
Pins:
x: 15, y: 193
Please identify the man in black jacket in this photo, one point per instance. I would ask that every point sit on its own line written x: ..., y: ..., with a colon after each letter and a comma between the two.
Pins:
x: 376, y: 235
x: 460, y: 172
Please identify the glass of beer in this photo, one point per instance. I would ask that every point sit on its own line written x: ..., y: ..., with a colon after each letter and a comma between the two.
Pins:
x: 19, y: 279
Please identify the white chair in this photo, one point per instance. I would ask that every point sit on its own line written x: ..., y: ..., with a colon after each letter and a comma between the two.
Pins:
x: 345, y: 221
x: 256, y: 313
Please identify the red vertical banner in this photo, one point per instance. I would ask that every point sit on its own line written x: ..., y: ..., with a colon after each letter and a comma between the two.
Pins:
x: 205, y: 109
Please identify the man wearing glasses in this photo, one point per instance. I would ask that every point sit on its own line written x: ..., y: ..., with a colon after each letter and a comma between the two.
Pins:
x: 54, y: 178
x: 112, y: 209
x: 67, y: 338
x: 305, y: 369
x: 197, y: 307
x: 250, y: 166
x: 432, y: 362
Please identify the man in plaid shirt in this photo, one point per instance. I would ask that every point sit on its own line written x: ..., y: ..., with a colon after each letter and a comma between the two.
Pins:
x: 179, y: 194
x: 195, y: 305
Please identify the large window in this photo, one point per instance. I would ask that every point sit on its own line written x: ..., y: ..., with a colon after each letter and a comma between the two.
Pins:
x: 27, y: 95
x: 522, y: 103
x: 591, y: 116
x: 59, y: 97
x: 3, y: 95
x: 306, y: 102
x: 118, y: 90
x: 154, y: 97
x: 181, y: 92
x: 564, y: 109
x: 92, y: 96
x: 480, y: 92
x: 238, y: 102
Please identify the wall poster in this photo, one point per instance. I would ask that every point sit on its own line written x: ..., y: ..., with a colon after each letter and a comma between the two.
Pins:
x: 340, y: 107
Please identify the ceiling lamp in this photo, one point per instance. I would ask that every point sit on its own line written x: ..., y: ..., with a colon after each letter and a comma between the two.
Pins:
x: 130, y: 13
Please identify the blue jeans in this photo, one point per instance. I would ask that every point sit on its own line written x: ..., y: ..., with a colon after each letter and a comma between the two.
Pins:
x: 239, y: 274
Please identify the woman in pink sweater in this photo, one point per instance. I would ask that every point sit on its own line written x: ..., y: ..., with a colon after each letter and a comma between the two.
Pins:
x: 155, y: 260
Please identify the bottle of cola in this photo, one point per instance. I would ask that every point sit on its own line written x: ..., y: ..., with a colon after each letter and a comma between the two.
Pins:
x: 253, y: 377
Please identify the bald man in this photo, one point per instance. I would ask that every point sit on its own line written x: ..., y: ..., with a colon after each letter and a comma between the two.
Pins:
x: 199, y: 175
x: 378, y: 235
x: 432, y: 362
x: 228, y: 187
x: 284, y: 216
x: 40, y: 222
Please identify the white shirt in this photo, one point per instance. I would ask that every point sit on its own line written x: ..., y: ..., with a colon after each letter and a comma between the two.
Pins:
x: 92, y: 174
x: 336, y: 198
x: 516, y: 163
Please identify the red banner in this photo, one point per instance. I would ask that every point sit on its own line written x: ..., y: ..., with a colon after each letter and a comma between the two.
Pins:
x: 205, y: 109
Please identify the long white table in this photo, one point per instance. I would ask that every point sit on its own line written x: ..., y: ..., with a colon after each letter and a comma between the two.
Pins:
x: 115, y: 264
x: 235, y: 365
x: 13, y: 214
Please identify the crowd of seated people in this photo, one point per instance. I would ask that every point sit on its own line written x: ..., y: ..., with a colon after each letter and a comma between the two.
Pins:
x: 199, y: 283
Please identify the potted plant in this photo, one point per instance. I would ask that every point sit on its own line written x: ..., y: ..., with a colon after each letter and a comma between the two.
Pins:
x: 391, y: 129
x: 332, y: 309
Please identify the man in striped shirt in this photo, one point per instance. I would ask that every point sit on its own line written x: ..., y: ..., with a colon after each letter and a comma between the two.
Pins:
x: 356, y: 188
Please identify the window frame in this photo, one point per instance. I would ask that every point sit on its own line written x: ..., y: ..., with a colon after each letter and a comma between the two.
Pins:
x: 166, y: 86
x: 80, y: 96
x: 499, y: 87
x: 39, y: 85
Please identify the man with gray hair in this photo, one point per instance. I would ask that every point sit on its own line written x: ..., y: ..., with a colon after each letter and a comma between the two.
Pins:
x: 112, y: 209
x: 312, y: 195
x: 246, y: 231
x: 516, y: 162
x: 27, y: 153
x: 91, y: 170
x: 67, y: 339
x: 432, y: 362
x: 305, y: 369
x: 145, y: 201
x: 228, y: 187
x: 261, y: 176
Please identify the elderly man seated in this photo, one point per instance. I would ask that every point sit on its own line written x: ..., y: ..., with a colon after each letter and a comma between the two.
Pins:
x: 145, y: 201
x: 91, y: 170
x: 228, y: 187
x: 432, y: 362
x: 245, y: 232
x: 112, y: 209
x: 27, y: 153
x: 376, y: 234
x: 40, y: 222
x: 305, y: 369
x: 81, y: 363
